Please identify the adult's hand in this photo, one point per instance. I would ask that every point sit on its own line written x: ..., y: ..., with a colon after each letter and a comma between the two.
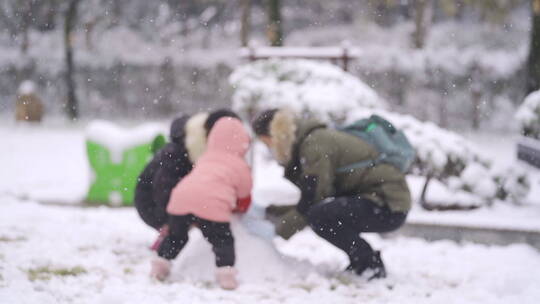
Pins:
x: 256, y: 211
x: 274, y: 212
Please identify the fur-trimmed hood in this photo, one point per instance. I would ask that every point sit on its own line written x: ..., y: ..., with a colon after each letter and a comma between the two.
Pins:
x: 195, y: 140
x: 285, y: 130
x: 228, y: 136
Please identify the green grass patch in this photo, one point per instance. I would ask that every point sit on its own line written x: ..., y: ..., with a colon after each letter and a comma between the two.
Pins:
x: 305, y: 286
x: 6, y: 239
x: 87, y: 248
x: 46, y: 273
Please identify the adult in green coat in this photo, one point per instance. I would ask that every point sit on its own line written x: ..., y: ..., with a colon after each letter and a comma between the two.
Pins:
x: 337, y: 206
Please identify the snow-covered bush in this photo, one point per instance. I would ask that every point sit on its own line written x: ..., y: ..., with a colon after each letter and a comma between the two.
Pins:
x: 452, y: 159
x: 337, y: 97
x: 319, y: 88
x: 513, y: 183
x: 528, y: 115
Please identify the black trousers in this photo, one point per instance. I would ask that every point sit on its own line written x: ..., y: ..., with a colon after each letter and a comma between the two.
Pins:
x: 218, y: 234
x: 341, y: 220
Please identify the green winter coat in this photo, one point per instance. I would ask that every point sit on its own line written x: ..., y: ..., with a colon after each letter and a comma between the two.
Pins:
x: 320, y: 151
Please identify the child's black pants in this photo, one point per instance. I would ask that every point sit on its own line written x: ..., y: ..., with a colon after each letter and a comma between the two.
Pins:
x: 218, y: 234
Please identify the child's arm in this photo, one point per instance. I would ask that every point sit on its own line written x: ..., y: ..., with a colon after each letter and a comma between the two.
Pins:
x: 245, y: 184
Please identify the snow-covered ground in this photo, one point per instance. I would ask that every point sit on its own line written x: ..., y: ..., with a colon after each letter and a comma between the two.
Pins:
x: 43, y: 163
x: 61, y: 254
x: 106, y: 252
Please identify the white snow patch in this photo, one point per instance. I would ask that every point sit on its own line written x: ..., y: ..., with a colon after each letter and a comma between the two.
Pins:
x: 118, y: 139
x: 528, y: 114
x: 476, y: 177
x: 27, y: 87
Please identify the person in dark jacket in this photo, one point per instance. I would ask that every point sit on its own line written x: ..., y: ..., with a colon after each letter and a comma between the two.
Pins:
x: 337, y: 206
x: 161, y: 175
x: 170, y: 164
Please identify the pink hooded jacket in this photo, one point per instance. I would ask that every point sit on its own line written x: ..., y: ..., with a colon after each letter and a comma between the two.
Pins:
x: 221, y: 177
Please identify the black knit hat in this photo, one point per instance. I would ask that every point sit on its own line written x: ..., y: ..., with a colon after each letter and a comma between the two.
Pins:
x: 261, y: 124
x: 215, y: 116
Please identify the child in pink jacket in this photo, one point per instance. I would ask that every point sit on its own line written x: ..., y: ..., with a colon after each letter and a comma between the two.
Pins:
x: 219, y: 185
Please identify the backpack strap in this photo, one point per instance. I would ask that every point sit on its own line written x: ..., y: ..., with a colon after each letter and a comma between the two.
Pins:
x: 370, y: 163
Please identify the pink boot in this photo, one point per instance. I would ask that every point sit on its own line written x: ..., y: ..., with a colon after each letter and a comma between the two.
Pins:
x: 163, y: 232
x: 160, y: 268
x: 226, y: 277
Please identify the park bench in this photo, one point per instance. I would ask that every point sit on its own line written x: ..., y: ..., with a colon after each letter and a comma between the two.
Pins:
x: 339, y: 55
x: 528, y: 150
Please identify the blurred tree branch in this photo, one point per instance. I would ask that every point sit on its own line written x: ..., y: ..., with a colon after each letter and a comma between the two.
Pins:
x: 71, y: 105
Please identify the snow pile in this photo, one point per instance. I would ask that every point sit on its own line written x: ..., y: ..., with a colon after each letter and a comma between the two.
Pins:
x: 27, y: 87
x: 334, y: 96
x: 118, y: 139
x: 475, y: 177
x: 528, y: 115
x: 196, y: 261
x: 513, y: 181
x: 321, y: 89
x: 270, y: 187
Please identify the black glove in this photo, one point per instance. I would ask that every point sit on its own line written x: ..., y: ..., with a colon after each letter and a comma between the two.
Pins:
x: 308, y: 188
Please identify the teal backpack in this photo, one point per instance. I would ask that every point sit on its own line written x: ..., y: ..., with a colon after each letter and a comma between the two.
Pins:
x: 393, y: 146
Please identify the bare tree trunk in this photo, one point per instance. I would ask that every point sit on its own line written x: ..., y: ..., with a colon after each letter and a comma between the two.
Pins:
x: 51, y: 15
x: 443, y: 113
x: 71, y: 105
x: 116, y: 12
x: 460, y: 9
x: 88, y: 30
x: 477, y: 103
x: 533, y: 75
x: 476, y: 87
x: 274, y: 31
x: 422, y: 19
x: 26, y: 18
x: 25, y: 40
x: 183, y: 8
x: 245, y: 22
x: 382, y: 13
x: 166, y: 87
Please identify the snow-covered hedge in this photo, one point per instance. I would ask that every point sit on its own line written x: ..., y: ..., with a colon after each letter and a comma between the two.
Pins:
x: 302, y: 85
x: 528, y: 115
x: 337, y: 97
